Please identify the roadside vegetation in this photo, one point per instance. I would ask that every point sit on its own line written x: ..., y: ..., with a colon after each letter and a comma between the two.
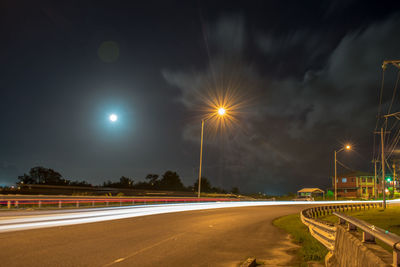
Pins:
x: 311, y: 249
x: 169, y: 181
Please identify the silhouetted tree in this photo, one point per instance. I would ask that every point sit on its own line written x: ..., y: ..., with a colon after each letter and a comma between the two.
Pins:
x: 205, y: 185
x: 152, y: 178
x: 235, y: 190
x: 80, y: 183
x: 124, y: 182
x: 26, y: 179
x: 41, y: 175
x: 171, y: 181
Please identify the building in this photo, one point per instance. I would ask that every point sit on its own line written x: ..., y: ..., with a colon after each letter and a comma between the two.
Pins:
x: 356, y: 184
x: 310, y: 192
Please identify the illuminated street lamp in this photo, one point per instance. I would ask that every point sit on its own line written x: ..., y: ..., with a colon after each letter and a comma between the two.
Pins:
x: 347, y: 147
x: 220, y: 112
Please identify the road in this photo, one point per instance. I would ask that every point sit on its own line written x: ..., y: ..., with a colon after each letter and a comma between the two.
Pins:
x: 213, y: 237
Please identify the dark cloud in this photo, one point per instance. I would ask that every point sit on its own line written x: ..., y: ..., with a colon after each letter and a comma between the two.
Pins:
x: 295, y: 123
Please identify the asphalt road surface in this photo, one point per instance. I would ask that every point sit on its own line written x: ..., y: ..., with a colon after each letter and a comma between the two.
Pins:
x: 215, y: 237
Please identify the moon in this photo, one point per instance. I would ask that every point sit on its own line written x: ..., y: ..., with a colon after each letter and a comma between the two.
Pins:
x: 113, y: 117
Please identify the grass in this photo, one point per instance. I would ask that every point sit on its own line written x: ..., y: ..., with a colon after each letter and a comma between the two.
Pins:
x: 388, y: 219
x: 311, y: 249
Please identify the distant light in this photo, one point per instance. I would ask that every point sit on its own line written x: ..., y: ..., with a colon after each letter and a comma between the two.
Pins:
x: 221, y: 111
x: 348, y: 147
x: 113, y: 117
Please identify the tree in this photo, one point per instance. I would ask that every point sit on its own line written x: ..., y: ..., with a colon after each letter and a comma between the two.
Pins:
x: 171, y: 181
x: 152, y: 178
x: 79, y: 183
x: 43, y: 175
x: 125, y: 182
x: 205, y: 185
x: 235, y: 190
x: 25, y: 179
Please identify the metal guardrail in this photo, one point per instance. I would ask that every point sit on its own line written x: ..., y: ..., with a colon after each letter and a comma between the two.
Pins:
x: 77, y: 202
x: 371, y: 232
x: 323, y: 231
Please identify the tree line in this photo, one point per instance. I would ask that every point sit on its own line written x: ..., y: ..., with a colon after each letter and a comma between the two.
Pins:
x: 170, y: 180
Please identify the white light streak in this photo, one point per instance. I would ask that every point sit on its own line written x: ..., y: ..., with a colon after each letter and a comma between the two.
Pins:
x: 116, y: 213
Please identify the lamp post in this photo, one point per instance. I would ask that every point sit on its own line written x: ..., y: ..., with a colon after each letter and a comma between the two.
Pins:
x: 221, y: 112
x: 347, y: 147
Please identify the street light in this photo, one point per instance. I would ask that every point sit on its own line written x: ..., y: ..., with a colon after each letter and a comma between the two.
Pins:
x: 220, y: 112
x: 347, y: 147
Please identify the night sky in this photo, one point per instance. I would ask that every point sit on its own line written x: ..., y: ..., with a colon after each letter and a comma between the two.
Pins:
x: 302, y: 78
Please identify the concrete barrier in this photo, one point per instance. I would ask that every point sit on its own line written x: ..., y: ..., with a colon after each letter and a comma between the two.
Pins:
x: 350, y: 251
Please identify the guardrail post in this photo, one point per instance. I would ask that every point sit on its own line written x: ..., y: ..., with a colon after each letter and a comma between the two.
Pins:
x: 40, y: 204
x: 16, y: 203
x: 351, y: 227
x: 92, y: 203
x: 106, y: 203
x: 396, y: 257
x: 133, y: 202
x: 77, y: 204
x: 59, y: 204
x: 9, y: 204
x: 120, y: 203
x: 368, y: 238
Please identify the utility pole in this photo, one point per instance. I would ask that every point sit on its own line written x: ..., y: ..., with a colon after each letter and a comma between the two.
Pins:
x: 375, y: 183
x: 335, y: 178
x: 382, y: 133
x: 394, y: 176
x: 395, y: 63
x: 383, y: 170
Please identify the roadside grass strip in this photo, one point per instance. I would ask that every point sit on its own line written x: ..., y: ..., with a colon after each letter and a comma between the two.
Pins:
x: 388, y: 219
x: 311, y: 249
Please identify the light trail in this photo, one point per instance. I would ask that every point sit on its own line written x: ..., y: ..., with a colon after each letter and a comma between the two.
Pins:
x: 106, y: 214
